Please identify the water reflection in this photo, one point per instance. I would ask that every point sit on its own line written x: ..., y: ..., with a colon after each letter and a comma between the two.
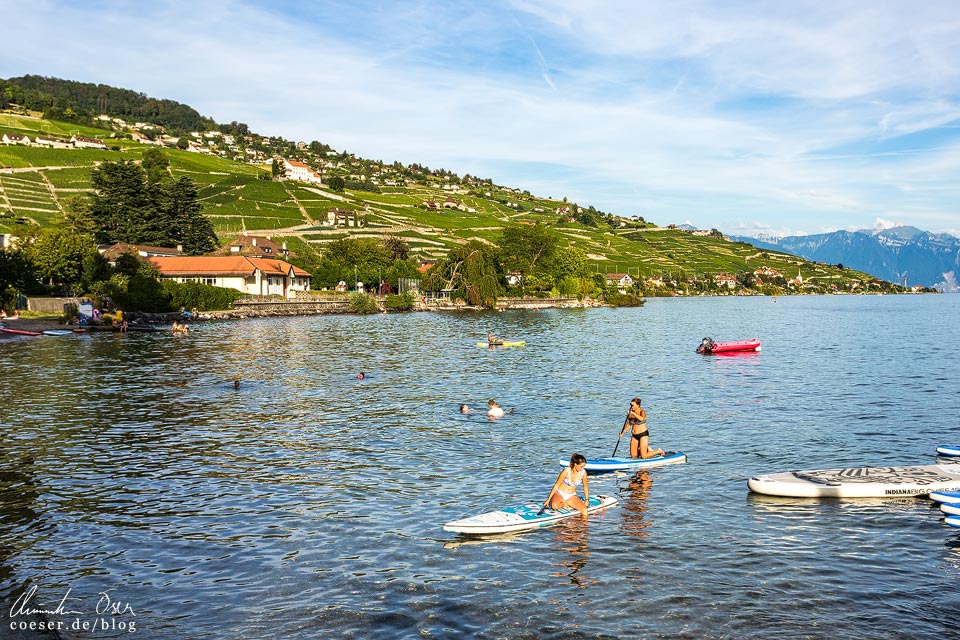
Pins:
x: 634, y: 504
x: 572, y: 537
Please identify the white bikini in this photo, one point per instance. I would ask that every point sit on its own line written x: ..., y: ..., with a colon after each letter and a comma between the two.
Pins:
x: 568, y: 487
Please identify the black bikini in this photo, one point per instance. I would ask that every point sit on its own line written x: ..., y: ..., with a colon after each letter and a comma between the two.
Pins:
x: 634, y: 422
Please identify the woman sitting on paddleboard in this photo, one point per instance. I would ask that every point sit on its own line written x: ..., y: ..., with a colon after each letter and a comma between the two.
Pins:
x: 564, y: 492
x: 637, y: 422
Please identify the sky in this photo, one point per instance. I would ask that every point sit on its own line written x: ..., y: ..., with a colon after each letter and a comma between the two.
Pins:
x: 778, y: 118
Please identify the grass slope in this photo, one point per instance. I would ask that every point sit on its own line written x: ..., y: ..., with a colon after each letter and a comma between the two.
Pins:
x: 34, y: 183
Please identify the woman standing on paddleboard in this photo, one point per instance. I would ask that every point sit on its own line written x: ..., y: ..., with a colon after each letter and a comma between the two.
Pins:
x: 564, y: 492
x: 640, y: 438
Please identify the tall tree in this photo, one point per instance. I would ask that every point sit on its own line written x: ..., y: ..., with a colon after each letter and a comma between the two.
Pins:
x: 58, y: 256
x: 396, y: 247
x: 121, y: 204
x: 189, y: 227
x: 350, y: 260
x: 136, y: 206
x: 155, y: 164
x: 79, y: 214
x: 470, y: 269
x: 16, y: 275
x: 527, y: 249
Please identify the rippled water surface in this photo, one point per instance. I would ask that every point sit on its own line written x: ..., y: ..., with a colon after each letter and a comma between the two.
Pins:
x: 309, y: 504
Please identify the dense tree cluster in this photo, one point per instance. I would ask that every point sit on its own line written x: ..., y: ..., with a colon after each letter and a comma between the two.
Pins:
x: 141, y: 203
x: 80, y: 101
x: 527, y: 260
x: 366, y: 260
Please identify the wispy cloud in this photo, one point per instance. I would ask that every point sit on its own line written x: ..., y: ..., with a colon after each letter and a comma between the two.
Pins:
x: 800, y: 116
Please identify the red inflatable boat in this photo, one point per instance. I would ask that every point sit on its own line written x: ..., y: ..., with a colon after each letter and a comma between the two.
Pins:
x: 708, y: 346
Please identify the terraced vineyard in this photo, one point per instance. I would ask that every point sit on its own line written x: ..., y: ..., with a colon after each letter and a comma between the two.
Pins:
x: 34, y: 182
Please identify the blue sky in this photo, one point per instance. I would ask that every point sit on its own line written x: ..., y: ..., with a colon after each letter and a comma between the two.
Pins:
x: 774, y: 117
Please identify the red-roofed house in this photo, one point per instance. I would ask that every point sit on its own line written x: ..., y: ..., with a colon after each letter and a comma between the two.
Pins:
x: 254, y: 276
x: 87, y: 143
x: 297, y: 170
x: 254, y: 247
x: 114, y: 251
x: 725, y: 280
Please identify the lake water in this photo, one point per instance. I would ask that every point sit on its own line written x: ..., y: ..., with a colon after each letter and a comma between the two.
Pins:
x: 139, y: 490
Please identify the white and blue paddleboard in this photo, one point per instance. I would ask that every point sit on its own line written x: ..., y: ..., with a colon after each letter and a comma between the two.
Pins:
x: 952, y: 497
x: 951, y: 452
x: 953, y: 521
x: 523, y: 517
x: 859, y: 482
x: 67, y: 332
x: 951, y: 509
x: 599, y: 465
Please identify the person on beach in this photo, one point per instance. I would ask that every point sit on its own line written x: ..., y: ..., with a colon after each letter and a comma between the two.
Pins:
x: 640, y: 436
x: 494, y: 410
x: 564, y: 491
x: 493, y: 340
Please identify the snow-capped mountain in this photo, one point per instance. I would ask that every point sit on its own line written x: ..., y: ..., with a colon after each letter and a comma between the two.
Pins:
x: 894, y: 254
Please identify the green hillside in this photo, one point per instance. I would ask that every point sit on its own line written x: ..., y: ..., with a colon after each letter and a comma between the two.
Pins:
x: 35, y: 181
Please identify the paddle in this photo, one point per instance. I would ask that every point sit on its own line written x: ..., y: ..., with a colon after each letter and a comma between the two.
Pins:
x: 614, y: 454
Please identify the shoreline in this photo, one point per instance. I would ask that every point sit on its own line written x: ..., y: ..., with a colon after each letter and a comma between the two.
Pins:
x: 279, y: 309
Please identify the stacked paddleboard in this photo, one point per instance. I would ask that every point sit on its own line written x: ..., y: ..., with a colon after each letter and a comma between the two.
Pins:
x: 524, y: 517
x: 859, y: 482
x: 950, y: 506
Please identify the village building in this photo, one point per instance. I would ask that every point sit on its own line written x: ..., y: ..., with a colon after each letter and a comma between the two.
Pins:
x: 56, y: 142
x: 767, y: 272
x: 15, y: 138
x: 81, y: 142
x: 297, y: 170
x: 113, y: 251
x: 254, y: 247
x: 253, y: 276
x: 725, y: 280
x: 622, y: 280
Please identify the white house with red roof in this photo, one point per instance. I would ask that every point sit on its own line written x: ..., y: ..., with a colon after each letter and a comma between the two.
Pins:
x: 82, y: 142
x: 255, y: 247
x: 297, y: 170
x: 254, y: 276
x: 725, y: 280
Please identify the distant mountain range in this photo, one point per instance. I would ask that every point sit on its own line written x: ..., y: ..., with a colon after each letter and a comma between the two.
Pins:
x: 895, y: 254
